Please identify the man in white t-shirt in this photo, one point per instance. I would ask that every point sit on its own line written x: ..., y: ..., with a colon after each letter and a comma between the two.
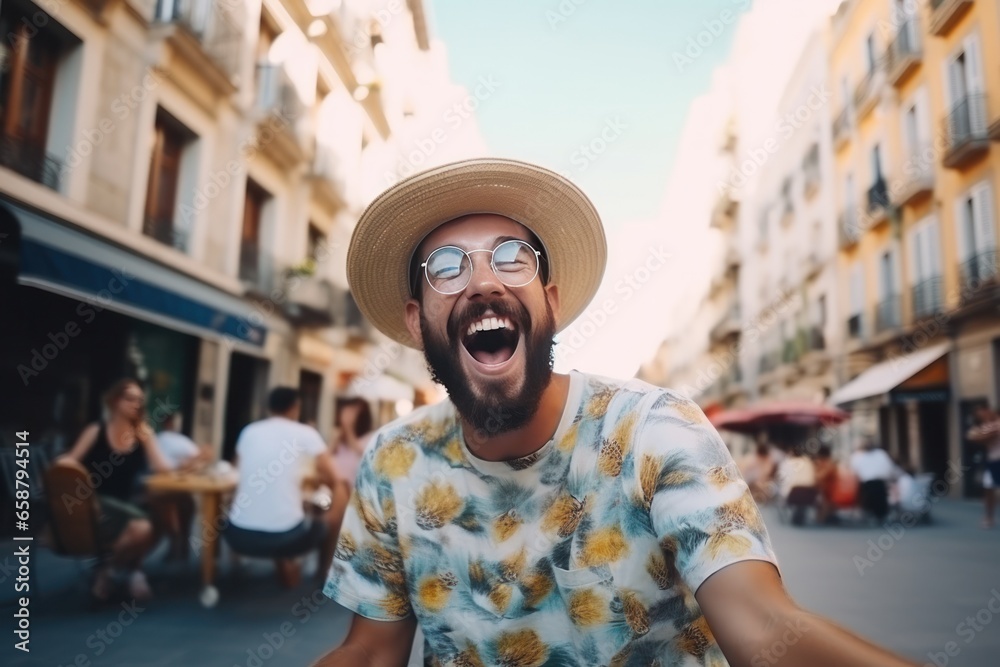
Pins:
x: 267, y: 518
x: 179, y: 450
x: 874, y: 469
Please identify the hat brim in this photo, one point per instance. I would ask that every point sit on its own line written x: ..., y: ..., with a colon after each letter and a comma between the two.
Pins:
x: 394, y: 224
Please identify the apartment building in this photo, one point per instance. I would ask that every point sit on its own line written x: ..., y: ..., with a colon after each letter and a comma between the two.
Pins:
x: 916, y: 176
x: 178, y: 184
x: 789, y: 285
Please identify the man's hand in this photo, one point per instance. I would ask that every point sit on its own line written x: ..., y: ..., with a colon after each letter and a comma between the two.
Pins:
x: 755, y: 623
x: 374, y: 644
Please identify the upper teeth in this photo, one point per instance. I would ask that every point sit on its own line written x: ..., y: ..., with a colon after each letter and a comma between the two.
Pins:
x: 489, y: 324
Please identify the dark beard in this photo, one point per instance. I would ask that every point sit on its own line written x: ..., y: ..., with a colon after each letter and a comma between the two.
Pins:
x: 497, y: 411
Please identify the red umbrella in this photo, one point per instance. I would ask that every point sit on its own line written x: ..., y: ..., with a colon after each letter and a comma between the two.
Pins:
x: 780, y: 413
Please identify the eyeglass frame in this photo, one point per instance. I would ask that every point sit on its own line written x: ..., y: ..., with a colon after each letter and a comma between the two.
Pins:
x: 539, y: 258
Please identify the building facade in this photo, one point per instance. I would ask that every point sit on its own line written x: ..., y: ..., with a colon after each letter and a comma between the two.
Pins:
x: 917, y: 170
x: 178, y: 185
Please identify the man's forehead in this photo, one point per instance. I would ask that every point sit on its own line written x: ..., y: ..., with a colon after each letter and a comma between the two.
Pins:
x: 478, y: 227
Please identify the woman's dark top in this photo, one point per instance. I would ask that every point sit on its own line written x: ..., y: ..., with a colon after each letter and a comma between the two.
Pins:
x: 114, y: 473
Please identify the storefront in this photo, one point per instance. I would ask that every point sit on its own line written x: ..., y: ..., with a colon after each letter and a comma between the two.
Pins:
x: 84, y: 312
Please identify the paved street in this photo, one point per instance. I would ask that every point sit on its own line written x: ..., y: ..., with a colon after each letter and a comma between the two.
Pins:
x: 914, y: 595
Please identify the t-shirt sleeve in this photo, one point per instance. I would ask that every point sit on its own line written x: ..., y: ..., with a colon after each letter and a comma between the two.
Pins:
x: 312, y: 441
x: 700, y: 507
x: 367, y: 574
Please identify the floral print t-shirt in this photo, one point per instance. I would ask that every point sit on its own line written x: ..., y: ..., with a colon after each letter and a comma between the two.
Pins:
x: 587, y: 552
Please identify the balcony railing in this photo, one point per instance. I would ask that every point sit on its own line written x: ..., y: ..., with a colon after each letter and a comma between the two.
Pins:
x: 842, y: 126
x: 848, y: 230
x: 927, y: 298
x: 258, y: 269
x: 164, y: 231
x: 945, y: 14
x: 276, y: 94
x: 904, y: 53
x: 918, y: 177
x: 215, y: 25
x: 866, y: 93
x: 815, y: 341
x: 856, y: 326
x: 977, y: 271
x: 888, y: 313
x: 31, y: 161
x: 966, y: 131
x: 878, y: 197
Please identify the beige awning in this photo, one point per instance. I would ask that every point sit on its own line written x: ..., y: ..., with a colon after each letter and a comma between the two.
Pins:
x: 885, y: 376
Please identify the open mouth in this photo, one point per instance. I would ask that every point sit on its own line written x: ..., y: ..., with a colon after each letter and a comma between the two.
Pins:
x: 491, y: 340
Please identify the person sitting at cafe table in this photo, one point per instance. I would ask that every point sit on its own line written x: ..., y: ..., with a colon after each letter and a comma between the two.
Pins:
x: 267, y: 519
x: 116, y: 451
x: 174, y: 511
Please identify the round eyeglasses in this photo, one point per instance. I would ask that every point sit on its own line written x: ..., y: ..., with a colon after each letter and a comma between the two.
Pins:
x: 449, y: 268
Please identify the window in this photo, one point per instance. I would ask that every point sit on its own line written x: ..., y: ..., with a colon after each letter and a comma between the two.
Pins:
x: 316, y: 244
x: 810, y: 169
x: 788, y: 206
x: 876, y: 163
x: 870, y: 58
x: 857, y: 289
x: 819, y: 314
x: 965, y: 91
x: 27, y: 86
x: 252, y: 268
x: 169, y: 141
x: 976, y: 222
x: 887, y: 265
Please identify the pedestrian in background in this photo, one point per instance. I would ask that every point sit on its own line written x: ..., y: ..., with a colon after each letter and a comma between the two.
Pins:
x: 987, y: 433
x: 875, y: 469
x: 758, y: 469
x: 826, y: 482
x: 354, y: 426
x: 117, y: 450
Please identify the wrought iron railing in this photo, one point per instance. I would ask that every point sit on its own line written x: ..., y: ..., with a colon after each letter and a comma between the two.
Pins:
x: 878, y: 196
x: 856, y: 326
x: 927, y: 297
x: 31, y: 161
x: 165, y: 231
x: 978, y: 269
x: 967, y: 121
x: 888, y: 313
x: 905, y: 45
x: 216, y: 25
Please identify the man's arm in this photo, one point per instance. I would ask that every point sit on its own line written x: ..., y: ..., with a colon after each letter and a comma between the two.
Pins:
x: 755, y: 623
x: 373, y: 644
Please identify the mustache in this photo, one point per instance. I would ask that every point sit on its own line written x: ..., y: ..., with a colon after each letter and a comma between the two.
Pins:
x: 516, y: 312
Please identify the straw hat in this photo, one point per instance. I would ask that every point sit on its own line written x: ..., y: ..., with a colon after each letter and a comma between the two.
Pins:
x: 395, y: 223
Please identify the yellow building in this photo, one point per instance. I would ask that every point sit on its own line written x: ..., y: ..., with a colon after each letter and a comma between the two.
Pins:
x: 918, y: 93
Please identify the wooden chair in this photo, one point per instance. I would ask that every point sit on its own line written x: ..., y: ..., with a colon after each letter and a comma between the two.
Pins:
x: 74, y: 513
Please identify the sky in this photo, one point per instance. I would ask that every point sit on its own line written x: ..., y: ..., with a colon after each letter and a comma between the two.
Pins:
x: 598, y: 91
x: 571, y: 73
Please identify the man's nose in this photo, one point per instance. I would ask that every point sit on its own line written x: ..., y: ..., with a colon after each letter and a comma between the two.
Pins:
x: 484, y: 279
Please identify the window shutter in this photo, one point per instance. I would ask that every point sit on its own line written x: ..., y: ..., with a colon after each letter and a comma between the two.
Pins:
x: 915, y: 242
x: 932, y: 239
x: 985, y: 218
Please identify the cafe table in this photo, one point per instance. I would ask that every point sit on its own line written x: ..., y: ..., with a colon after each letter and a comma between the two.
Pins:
x: 211, y: 488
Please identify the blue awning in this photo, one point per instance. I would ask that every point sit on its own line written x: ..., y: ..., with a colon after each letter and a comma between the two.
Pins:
x: 57, y: 257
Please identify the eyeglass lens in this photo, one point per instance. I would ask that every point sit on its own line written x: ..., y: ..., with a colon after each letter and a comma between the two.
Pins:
x: 449, y: 269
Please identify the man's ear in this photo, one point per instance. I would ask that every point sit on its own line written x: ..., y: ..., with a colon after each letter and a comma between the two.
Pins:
x: 552, y: 296
x: 412, y: 316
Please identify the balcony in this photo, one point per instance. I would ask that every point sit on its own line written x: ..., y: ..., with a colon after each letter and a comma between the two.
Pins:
x: 258, y: 271
x: 888, y: 314
x: 918, y: 178
x: 945, y: 14
x: 848, y: 230
x: 326, y: 177
x: 728, y: 328
x: 867, y: 92
x: 927, y: 298
x: 904, y: 54
x: 207, y: 35
x: 310, y: 301
x: 965, y: 132
x: 856, y: 326
x: 877, y: 201
x: 31, y: 161
x: 164, y: 231
x: 842, y: 128
x: 281, y: 115
x: 977, y: 272
x: 725, y: 210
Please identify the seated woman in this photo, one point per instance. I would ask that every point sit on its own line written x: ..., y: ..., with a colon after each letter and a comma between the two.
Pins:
x: 826, y: 482
x: 116, y: 451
